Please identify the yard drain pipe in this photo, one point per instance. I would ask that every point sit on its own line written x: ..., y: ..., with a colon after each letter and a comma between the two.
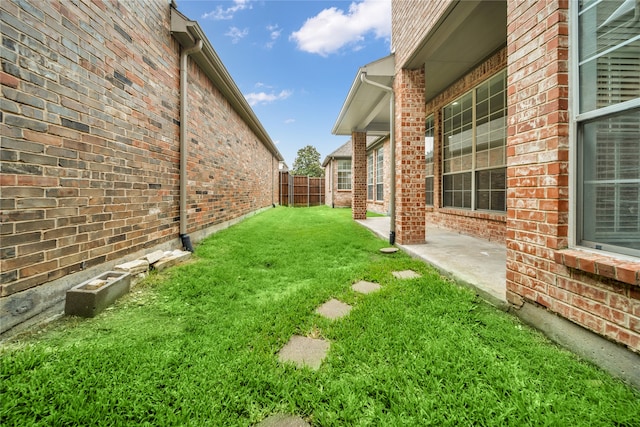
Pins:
x: 186, y: 240
x: 392, y: 160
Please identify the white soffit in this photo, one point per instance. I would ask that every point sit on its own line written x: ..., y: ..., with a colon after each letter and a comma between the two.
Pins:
x: 367, y: 107
x: 467, y: 33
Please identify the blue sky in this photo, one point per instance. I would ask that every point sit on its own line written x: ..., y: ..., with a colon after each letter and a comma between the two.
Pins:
x: 295, y: 60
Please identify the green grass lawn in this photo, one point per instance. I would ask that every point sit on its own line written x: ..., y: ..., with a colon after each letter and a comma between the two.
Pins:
x: 197, y: 345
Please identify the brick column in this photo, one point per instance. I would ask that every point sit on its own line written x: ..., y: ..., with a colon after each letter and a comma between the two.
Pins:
x: 359, y: 175
x: 410, y: 158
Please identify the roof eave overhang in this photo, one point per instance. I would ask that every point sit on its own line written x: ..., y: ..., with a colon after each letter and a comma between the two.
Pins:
x: 187, y: 32
x: 366, y: 108
x: 467, y: 33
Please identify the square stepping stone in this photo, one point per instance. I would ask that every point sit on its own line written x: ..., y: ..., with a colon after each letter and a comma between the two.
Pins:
x: 406, y: 274
x: 303, y: 351
x: 283, y: 420
x: 365, y: 287
x: 333, y: 309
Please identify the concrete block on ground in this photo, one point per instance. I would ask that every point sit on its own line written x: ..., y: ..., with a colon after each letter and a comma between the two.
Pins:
x: 94, y: 295
x: 171, y: 258
x: 154, y: 257
x: 134, y: 267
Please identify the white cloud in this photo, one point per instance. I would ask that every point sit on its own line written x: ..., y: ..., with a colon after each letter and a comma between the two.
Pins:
x: 236, y: 34
x: 289, y: 121
x: 333, y: 28
x: 221, y: 13
x: 256, y: 98
x: 274, y: 34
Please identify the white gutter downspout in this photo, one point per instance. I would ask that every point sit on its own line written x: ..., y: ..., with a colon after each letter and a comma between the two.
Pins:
x: 392, y: 160
x: 186, y: 241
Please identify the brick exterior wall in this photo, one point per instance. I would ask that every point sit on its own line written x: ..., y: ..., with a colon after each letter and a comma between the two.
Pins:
x: 589, y: 290
x: 411, y: 21
x: 382, y: 207
x: 485, y: 225
x: 410, y: 156
x: 359, y: 175
x: 597, y: 292
x: 90, y: 146
x: 335, y: 197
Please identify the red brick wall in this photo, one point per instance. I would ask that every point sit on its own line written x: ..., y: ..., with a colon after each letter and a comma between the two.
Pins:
x: 90, y: 124
x: 586, y: 289
x: 359, y: 175
x: 489, y: 226
x: 410, y: 156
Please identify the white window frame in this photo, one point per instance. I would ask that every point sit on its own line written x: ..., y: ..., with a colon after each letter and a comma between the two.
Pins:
x: 370, y: 186
x: 474, y: 167
x: 379, y: 174
x: 344, y: 185
x: 576, y: 119
x: 429, y: 147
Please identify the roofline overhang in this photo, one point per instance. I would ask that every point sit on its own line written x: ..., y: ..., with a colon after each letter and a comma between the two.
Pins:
x: 383, y: 67
x: 187, y: 33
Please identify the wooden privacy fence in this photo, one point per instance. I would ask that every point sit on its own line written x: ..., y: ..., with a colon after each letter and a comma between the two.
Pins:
x: 301, y: 190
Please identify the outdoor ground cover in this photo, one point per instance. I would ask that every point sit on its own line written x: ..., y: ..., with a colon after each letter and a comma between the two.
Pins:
x: 197, y: 345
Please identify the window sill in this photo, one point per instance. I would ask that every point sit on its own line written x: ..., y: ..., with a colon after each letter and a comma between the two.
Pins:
x: 618, y: 269
x: 502, y: 217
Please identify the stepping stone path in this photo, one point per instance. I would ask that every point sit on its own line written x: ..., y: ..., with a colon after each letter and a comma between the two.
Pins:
x: 365, y: 287
x: 310, y: 352
x: 283, y: 420
x: 390, y: 250
x: 406, y: 274
x: 304, y: 351
x: 333, y: 309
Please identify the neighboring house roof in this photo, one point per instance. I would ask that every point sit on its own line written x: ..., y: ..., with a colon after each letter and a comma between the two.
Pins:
x: 342, y: 152
x: 345, y: 150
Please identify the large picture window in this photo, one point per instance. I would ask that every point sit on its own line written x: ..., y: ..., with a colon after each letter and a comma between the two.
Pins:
x: 428, y: 155
x: 474, y: 153
x: 380, y: 174
x: 607, y: 126
x: 344, y: 174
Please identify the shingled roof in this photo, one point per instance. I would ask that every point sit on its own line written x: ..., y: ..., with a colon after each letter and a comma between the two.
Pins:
x: 345, y: 150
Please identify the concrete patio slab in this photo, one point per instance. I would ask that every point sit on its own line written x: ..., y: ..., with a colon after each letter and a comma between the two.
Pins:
x: 476, y: 262
x: 406, y: 274
x: 334, y: 309
x: 365, y: 287
x: 283, y: 420
x: 303, y: 351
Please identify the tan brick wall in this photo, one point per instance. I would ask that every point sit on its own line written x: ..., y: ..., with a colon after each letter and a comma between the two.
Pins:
x: 90, y: 145
x: 335, y: 197
x: 411, y: 20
